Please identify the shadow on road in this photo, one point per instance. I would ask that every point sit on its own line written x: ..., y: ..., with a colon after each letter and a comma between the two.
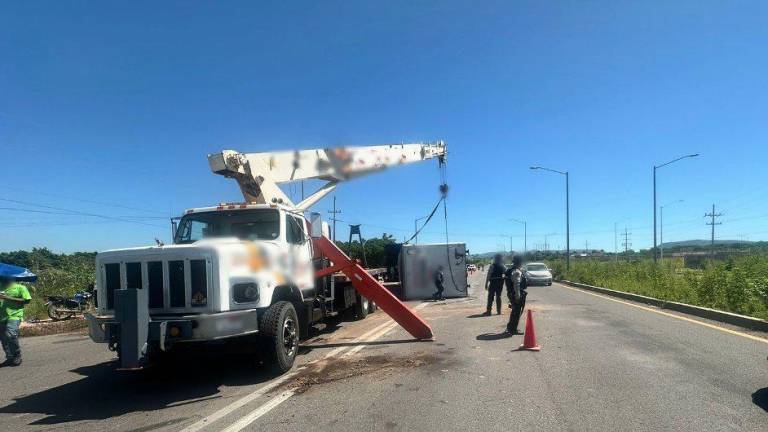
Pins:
x: 760, y: 398
x: 104, y: 392
x: 493, y: 336
x: 478, y: 315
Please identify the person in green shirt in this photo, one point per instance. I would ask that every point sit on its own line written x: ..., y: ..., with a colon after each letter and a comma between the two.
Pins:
x: 13, y: 297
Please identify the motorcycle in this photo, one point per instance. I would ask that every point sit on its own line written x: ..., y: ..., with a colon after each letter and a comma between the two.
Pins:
x: 61, y: 308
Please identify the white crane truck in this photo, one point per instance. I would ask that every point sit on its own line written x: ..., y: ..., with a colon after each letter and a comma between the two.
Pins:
x: 256, y: 272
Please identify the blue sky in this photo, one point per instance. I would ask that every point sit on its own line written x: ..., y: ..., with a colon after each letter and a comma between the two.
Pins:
x: 110, y: 108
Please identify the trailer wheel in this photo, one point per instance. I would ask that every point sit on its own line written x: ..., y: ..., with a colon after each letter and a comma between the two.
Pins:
x: 372, y: 307
x: 361, y: 307
x: 280, y: 336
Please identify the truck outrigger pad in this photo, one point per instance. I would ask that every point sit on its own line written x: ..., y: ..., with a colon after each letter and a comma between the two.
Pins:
x: 372, y: 289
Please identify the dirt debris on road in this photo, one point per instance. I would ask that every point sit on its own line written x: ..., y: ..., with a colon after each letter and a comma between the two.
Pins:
x: 337, y: 369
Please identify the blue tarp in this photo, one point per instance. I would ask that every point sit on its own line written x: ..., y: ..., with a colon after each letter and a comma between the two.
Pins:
x: 18, y: 273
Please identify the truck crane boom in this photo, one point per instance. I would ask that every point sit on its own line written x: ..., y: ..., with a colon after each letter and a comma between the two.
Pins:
x: 259, y: 174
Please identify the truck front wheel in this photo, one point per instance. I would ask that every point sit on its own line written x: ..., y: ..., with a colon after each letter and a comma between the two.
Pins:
x: 280, y: 336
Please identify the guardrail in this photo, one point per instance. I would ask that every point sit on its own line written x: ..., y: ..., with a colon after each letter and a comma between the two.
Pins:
x: 713, y: 314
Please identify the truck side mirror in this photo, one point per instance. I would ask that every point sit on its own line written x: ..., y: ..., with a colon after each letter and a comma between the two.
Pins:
x: 316, y: 221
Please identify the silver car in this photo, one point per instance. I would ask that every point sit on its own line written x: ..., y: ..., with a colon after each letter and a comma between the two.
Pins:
x: 537, y: 274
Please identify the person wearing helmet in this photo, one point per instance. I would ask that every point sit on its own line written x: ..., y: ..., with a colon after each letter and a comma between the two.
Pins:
x: 516, y: 292
x: 494, y: 284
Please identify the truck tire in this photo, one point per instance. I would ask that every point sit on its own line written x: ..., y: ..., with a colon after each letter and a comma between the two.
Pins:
x: 280, y: 336
x: 361, y: 307
x: 372, y: 307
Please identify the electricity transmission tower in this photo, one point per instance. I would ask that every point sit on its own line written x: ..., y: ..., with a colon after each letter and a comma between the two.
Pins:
x: 334, y: 212
x: 713, y: 215
x: 626, y: 243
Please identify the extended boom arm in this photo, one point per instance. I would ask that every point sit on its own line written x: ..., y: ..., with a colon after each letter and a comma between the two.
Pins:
x: 258, y: 174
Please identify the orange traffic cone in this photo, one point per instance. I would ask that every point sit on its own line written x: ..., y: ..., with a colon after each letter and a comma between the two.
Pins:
x: 529, y: 341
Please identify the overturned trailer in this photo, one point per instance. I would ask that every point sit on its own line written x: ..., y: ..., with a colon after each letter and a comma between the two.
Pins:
x: 419, y: 263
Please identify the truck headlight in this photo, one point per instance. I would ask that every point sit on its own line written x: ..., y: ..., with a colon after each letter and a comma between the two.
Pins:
x: 247, y: 292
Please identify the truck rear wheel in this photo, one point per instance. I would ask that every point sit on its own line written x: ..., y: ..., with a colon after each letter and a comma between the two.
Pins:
x: 361, y: 307
x: 280, y: 336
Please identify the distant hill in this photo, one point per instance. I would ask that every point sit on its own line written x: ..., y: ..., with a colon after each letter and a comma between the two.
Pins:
x: 488, y: 254
x: 702, y: 243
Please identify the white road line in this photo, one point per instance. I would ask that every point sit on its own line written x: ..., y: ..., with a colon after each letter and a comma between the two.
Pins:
x: 260, y: 411
x: 238, y: 403
x: 254, y: 415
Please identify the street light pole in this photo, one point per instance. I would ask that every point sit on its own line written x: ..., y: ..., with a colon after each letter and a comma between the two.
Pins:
x: 416, y: 229
x: 567, y: 213
x: 654, y: 213
x: 567, y: 224
x: 525, y: 233
x: 655, y: 167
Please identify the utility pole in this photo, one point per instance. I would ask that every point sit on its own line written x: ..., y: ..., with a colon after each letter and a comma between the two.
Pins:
x: 615, y: 243
x: 586, y: 246
x: 713, y: 215
x: 510, y: 244
x: 334, y: 213
x: 627, y: 244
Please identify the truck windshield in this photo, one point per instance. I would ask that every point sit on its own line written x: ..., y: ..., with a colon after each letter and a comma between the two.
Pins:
x: 254, y: 224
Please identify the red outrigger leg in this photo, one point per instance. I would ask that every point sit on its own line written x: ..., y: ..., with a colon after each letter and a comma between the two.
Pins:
x: 369, y: 287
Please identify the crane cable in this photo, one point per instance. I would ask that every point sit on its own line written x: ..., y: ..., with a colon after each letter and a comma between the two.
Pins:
x: 444, y: 193
x: 442, y: 199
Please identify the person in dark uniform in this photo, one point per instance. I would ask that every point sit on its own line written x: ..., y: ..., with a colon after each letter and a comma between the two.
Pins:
x: 438, y: 295
x: 494, y: 284
x: 516, y: 292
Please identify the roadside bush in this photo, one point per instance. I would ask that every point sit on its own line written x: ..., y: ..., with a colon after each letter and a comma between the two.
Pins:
x: 738, y: 285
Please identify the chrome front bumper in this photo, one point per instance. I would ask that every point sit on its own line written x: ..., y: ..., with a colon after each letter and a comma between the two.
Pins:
x: 189, y: 328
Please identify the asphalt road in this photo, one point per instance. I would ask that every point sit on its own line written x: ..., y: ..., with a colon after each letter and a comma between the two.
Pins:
x: 604, y: 365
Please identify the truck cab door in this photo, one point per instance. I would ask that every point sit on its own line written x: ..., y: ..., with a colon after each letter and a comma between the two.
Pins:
x: 300, y: 254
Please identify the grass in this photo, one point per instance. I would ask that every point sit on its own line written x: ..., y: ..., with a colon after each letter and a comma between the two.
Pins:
x: 738, y: 285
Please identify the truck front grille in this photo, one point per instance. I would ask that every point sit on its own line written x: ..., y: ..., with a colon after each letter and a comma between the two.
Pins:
x: 174, y: 285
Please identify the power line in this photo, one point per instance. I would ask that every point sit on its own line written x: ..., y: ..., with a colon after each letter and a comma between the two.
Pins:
x: 80, y: 213
x: 86, y: 201
x: 68, y: 213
